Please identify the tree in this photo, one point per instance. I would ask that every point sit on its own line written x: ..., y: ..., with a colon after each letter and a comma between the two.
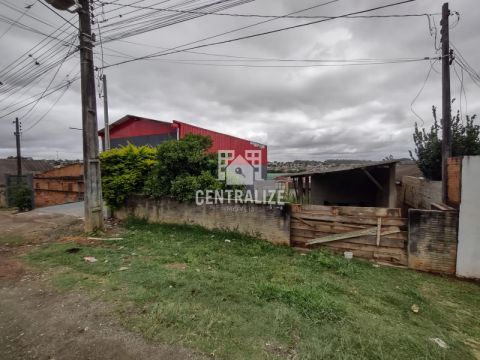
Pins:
x: 183, y: 167
x: 124, y: 171
x: 428, y: 145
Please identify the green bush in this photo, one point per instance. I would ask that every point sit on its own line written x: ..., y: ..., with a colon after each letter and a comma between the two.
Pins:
x: 176, y: 168
x: 182, y: 168
x: 124, y: 171
x: 22, y: 196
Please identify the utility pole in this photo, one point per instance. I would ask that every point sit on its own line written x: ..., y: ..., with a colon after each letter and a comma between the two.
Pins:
x: 446, y: 100
x: 91, y: 161
x: 19, y: 155
x: 105, y: 114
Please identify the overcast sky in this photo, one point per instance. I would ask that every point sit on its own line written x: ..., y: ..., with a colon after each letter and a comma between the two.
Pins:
x: 316, y: 113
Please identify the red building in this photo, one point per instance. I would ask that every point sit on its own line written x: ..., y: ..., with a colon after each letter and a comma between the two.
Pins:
x: 142, y: 131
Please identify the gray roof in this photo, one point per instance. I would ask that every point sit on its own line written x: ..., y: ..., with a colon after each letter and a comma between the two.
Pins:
x: 9, y: 167
x: 341, y: 168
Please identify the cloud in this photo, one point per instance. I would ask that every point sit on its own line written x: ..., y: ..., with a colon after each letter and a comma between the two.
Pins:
x: 300, y: 113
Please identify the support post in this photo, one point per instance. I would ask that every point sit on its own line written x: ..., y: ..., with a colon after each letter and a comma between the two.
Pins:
x: 446, y: 101
x: 91, y: 162
x: 19, y: 154
x: 105, y: 114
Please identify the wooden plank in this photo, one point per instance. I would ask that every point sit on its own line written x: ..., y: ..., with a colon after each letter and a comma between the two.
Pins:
x: 332, y: 228
x: 303, y: 221
x: 379, y: 230
x: 325, y: 226
x: 370, y: 176
x: 348, y: 235
x: 378, y: 250
x: 353, y: 210
x: 354, y: 219
x: 364, y: 240
x: 396, y: 259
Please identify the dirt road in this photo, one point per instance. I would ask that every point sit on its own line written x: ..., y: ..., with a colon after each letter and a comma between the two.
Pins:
x: 39, y: 322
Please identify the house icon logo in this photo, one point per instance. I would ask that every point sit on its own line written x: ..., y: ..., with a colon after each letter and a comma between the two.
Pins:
x: 238, y: 170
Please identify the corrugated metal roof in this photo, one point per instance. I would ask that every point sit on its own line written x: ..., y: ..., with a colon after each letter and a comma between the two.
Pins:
x: 129, y: 117
x: 9, y: 167
x: 344, y: 168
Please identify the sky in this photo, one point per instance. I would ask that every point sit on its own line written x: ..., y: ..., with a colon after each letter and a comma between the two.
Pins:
x: 308, y: 113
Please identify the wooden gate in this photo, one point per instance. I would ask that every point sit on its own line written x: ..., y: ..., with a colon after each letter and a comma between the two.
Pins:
x: 369, y: 232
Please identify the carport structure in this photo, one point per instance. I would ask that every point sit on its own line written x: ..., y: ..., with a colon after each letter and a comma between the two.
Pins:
x: 369, y: 185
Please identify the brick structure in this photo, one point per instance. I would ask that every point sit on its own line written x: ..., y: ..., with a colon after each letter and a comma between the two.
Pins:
x: 432, y: 243
x: 59, y: 186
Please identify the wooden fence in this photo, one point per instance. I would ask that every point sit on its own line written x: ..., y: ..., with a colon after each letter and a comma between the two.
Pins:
x: 369, y: 232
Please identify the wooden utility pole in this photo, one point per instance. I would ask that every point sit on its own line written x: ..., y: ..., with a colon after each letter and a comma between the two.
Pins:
x: 19, y: 154
x: 446, y: 101
x: 105, y: 114
x: 91, y: 162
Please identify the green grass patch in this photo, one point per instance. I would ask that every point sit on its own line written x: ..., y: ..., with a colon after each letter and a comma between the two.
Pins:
x: 236, y: 297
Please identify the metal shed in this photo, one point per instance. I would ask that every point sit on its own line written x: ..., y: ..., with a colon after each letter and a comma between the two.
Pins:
x: 144, y: 131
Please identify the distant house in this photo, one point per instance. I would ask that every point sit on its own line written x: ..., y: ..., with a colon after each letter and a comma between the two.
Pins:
x: 140, y: 131
x: 8, y: 167
x: 59, y: 186
x: 371, y: 184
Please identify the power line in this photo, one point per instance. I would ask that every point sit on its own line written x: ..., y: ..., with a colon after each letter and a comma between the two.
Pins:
x: 269, y: 16
x: 50, y: 83
x: 16, y: 21
x: 313, y: 62
x: 48, y: 111
x: 56, y: 13
x: 260, y: 34
x: 149, y: 21
x: 420, y: 91
x: 52, y: 91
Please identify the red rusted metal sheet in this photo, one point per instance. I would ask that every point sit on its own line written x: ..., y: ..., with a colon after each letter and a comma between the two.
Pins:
x: 223, y: 141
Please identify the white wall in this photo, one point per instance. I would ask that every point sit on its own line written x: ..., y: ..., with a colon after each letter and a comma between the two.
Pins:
x: 468, y: 255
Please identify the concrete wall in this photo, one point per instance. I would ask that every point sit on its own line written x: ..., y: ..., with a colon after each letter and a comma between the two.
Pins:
x: 354, y: 188
x: 432, y: 240
x: 468, y: 260
x: 269, y: 222
x: 419, y: 193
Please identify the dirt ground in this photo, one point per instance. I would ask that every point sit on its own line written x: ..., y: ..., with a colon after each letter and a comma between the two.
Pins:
x: 38, y: 322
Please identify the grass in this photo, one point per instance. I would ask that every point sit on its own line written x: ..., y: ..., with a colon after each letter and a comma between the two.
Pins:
x: 235, y: 297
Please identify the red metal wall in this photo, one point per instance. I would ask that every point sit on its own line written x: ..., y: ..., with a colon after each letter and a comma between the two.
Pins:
x: 137, y: 126
x: 223, y: 141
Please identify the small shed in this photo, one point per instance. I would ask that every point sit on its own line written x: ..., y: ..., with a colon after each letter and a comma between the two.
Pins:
x: 371, y: 184
x: 59, y: 186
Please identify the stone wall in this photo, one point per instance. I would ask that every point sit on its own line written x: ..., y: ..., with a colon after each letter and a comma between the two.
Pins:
x: 432, y: 240
x: 269, y: 222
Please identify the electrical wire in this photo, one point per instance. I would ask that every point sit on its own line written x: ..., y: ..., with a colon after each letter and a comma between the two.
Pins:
x: 269, y: 16
x: 56, y: 13
x: 16, y: 21
x: 49, y: 109
x: 52, y: 91
x: 420, y: 92
x: 259, y: 34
